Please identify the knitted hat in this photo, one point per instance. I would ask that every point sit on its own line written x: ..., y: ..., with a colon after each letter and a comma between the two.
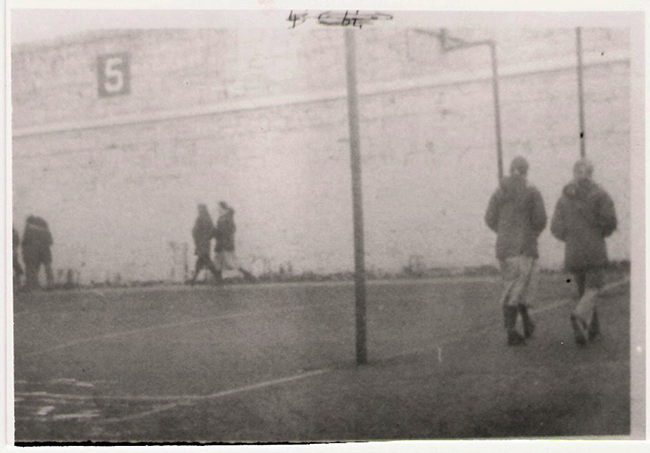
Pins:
x: 586, y: 164
x: 519, y: 165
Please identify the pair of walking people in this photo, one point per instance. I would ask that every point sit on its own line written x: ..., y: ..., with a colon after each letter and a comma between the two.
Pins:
x: 584, y: 216
x: 204, y: 231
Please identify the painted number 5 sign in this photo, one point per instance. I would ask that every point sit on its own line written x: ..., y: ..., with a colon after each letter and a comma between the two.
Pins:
x: 113, y: 74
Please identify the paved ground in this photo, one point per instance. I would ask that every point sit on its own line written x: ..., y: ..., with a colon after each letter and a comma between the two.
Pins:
x: 275, y: 363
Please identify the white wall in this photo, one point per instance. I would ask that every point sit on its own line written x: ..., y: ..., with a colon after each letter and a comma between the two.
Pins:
x: 259, y: 118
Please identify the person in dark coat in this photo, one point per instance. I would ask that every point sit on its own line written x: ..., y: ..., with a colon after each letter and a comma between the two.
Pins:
x: 18, y: 269
x: 202, y: 233
x: 225, y: 247
x: 584, y: 216
x: 516, y: 213
x: 37, y: 240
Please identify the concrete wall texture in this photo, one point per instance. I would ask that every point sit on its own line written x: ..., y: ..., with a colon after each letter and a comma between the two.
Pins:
x: 259, y: 118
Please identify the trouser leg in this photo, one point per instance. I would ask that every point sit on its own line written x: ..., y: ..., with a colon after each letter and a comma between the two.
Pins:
x: 49, y: 275
x: 594, y: 327
x: 517, y: 277
x: 510, y: 322
x: 529, y: 325
x: 580, y: 279
x: 219, y: 266
x: 198, y: 267
x: 247, y: 275
x: 508, y: 277
x: 216, y: 272
x: 584, y: 318
x: 31, y: 280
x: 528, y: 268
x: 586, y: 307
x: 18, y: 272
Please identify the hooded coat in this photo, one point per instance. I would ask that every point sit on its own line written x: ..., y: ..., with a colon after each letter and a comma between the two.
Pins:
x: 584, y: 216
x: 202, y: 233
x: 37, y: 241
x: 225, y: 232
x: 516, y: 213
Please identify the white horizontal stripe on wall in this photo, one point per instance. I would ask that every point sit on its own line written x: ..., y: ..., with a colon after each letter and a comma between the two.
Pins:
x: 590, y: 59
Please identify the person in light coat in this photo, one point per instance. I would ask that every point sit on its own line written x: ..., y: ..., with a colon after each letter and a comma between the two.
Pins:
x: 584, y: 216
x: 225, y: 247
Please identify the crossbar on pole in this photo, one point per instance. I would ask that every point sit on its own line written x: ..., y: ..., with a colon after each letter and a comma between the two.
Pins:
x: 449, y: 44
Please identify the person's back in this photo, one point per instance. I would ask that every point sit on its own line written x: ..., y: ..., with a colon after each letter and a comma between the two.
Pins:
x: 584, y: 216
x: 202, y: 233
x: 37, y: 240
x: 37, y: 233
x: 225, y: 230
x: 516, y: 213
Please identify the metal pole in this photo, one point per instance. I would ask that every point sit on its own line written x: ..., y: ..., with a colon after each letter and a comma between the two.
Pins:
x: 357, y: 199
x: 497, y: 108
x: 580, y: 93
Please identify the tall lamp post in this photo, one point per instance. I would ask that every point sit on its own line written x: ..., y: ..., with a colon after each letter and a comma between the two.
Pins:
x: 581, y: 107
x: 357, y: 199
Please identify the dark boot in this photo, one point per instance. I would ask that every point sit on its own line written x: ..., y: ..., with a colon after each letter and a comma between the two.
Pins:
x: 509, y: 322
x: 218, y: 278
x: 247, y: 275
x: 578, y: 330
x: 529, y: 325
x: 196, y: 275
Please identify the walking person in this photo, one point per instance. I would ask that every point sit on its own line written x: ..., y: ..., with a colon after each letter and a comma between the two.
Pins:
x: 37, y: 241
x: 225, y: 247
x: 202, y: 233
x: 584, y: 216
x: 18, y: 269
x: 516, y: 213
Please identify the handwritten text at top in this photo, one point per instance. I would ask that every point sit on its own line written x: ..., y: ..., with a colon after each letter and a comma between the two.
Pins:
x: 340, y: 18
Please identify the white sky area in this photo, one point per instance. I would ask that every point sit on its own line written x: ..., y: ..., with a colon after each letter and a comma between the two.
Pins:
x: 32, y: 25
x: 29, y: 25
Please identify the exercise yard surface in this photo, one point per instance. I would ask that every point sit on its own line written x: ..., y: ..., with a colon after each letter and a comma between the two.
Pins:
x: 276, y: 362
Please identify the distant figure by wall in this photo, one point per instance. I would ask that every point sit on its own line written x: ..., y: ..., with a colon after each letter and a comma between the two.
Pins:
x: 202, y: 234
x: 225, y: 247
x: 37, y: 241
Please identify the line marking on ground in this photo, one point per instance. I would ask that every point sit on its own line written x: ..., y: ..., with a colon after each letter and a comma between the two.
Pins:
x: 190, y: 399
x: 248, y: 313
x: 163, y: 326
x: 198, y: 398
x: 457, y: 336
x: 261, y: 285
x: 562, y: 302
x: 81, y: 415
